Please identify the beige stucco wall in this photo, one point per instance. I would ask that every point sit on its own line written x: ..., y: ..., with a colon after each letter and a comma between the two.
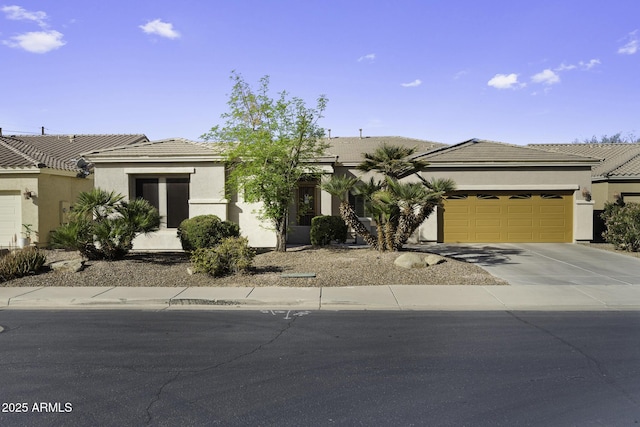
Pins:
x: 53, y: 190
x: 206, y: 192
x: 605, y: 191
x: 260, y: 233
x: 532, y: 177
x: 56, y: 194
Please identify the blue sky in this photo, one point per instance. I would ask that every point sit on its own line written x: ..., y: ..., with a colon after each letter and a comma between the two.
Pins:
x: 447, y: 71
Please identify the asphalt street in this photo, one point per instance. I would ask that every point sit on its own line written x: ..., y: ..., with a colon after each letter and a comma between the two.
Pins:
x: 290, y: 367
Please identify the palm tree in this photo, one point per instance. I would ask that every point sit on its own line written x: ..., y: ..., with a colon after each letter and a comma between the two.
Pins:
x: 417, y: 201
x: 339, y: 186
x: 398, y: 208
x: 392, y: 161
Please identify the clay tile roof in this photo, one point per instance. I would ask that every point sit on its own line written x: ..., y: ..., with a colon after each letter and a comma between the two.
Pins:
x: 55, y: 151
x: 167, y: 148
x: 615, y: 159
x: 350, y: 149
x: 483, y: 151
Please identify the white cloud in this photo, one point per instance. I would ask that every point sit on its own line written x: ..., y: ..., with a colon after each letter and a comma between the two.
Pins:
x: 565, y: 67
x: 17, y: 13
x: 416, y: 82
x: 370, y: 57
x: 505, y: 81
x: 159, y: 28
x: 632, y: 45
x: 547, y: 77
x: 589, y: 65
x: 460, y: 74
x: 37, y: 41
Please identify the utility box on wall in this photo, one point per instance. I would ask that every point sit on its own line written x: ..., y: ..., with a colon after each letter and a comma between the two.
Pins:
x: 65, y: 210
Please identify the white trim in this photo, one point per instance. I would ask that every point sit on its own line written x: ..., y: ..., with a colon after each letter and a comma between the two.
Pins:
x: 208, y: 201
x: 159, y: 171
x: 517, y: 187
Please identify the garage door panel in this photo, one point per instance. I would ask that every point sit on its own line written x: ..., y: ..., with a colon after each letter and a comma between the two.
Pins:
x: 487, y: 237
x: 553, y: 222
x: 509, y: 217
x: 457, y: 208
x: 552, y: 210
x: 520, y: 222
x: 519, y: 237
x: 520, y: 209
x: 491, y: 210
x: 489, y: 222
x: 10, y: 219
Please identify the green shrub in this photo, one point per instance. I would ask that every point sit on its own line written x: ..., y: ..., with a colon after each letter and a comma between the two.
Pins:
x: 103, y: 225
x: 622, y: 223
x: 205, y: 231
x: 233, y: 255
x: 325, y: 229
x: 21, y: 263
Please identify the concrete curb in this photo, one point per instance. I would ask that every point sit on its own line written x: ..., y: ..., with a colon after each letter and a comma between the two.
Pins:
x: 390, y: 297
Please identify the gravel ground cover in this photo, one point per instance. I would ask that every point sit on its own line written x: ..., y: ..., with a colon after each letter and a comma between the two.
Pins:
x: 333, y: 266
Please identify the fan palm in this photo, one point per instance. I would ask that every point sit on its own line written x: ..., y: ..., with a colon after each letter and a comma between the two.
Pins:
x: 392, y: 161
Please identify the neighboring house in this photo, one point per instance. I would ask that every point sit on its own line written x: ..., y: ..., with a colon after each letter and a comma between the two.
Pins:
x: 506, y: 193
x: 41, y: 176
x: 617, y: 174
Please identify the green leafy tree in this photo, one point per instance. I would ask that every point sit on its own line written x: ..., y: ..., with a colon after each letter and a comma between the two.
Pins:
x: 103, y: 225
x: 397, y: 207
x: 269, y: 145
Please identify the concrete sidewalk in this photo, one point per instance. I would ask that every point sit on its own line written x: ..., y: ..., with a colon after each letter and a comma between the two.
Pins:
x: 392, y: 297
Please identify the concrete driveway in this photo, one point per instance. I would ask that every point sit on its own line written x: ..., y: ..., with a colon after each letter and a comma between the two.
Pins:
x: 547, y: 263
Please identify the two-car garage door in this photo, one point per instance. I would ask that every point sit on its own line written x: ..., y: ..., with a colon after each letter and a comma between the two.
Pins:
x: 508, y: 217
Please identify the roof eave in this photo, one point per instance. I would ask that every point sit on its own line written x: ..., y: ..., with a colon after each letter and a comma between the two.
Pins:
x: 170, y: 158
x: 509, y: 164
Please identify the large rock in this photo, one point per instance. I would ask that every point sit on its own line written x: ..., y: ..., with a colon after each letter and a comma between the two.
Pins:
x: 433, y: 259
x: 410, y: 260
x: 71, y: 265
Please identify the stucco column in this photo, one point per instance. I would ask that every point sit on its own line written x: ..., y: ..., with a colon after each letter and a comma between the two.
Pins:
x: 583, y: 220
x: 325, y: 203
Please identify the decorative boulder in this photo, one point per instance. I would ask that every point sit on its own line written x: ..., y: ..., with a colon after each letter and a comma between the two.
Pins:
x: 433, y: 259
x: 410, y: 260
x: 70, y: 265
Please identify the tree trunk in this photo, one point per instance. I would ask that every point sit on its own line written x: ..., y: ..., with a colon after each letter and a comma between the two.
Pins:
x: 281, y: 236
x: 381, y: 239
x: 409, y: 223
x: 351, y: 219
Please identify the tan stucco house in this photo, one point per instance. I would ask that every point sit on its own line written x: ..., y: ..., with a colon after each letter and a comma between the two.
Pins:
x: 41, y: 176
x: 616, y: 174
x: 506, y: 193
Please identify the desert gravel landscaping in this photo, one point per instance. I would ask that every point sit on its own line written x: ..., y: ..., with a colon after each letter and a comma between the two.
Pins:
x: 333, y: 266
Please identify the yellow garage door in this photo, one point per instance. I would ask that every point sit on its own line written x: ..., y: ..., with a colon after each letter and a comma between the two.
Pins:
x: 508, y: 217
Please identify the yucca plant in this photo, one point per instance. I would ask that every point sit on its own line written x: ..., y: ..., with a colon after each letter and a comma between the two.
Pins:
x: 398, y: 208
